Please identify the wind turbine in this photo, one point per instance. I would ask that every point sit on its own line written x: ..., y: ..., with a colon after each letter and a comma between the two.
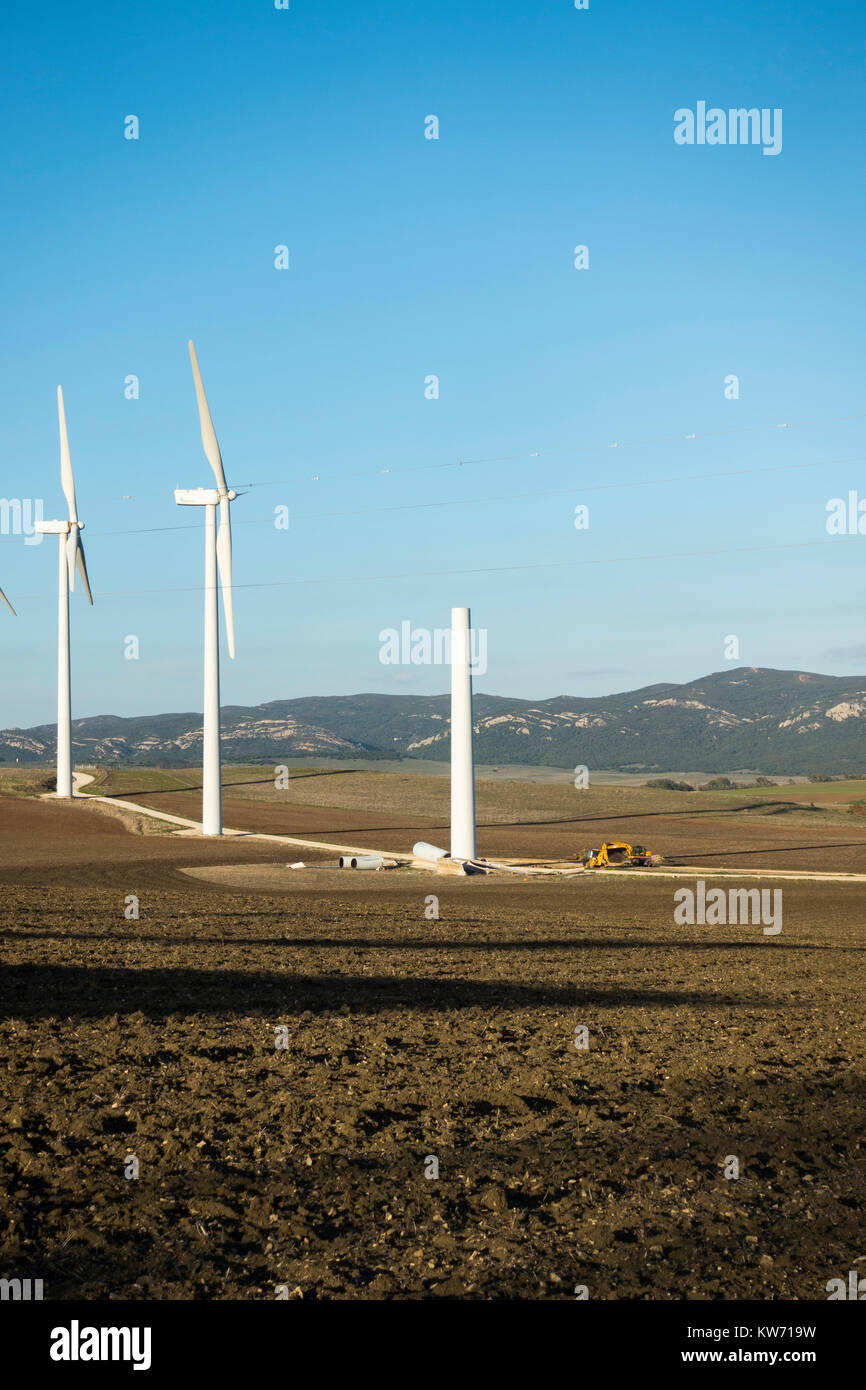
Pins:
x: 217, y: 554
x: 462, y: 751
x: 71, y: 553
x: 8, y: 604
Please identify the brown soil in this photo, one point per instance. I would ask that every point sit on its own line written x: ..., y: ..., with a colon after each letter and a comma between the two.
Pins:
x: 708, y: 838
x: 408, y: 1038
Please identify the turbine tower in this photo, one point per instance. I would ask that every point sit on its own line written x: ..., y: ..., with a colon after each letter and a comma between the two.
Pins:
x: 71, y: 554
x: 217, y: 555
x: 462, y: 759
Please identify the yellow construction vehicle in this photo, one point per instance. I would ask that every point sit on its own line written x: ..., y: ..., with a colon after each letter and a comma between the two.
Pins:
x: 615, y: 856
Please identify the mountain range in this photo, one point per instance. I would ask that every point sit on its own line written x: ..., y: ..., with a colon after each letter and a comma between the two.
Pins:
x: 751, y: 718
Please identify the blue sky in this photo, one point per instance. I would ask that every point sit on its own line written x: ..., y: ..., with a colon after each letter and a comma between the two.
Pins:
x: 411, y: 257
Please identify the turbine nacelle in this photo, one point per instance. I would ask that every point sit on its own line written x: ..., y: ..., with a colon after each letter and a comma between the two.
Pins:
x: 57, y: 528
x: 202, y: 496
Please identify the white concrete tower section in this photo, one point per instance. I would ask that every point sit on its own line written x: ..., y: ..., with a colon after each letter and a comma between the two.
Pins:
x: 64, y: 699
x: 462, y: 758
x: 212, y: 799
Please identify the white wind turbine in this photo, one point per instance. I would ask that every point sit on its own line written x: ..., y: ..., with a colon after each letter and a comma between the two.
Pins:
x: 71, y: 553
x: 217, y: 553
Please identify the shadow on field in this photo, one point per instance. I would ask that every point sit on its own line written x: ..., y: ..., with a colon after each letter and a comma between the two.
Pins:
x: 672, y: 812
x: 227, y: 786
x: 41, y: 991
x: 682, y: 856
x: 173, y: 791
x: 424, y: 943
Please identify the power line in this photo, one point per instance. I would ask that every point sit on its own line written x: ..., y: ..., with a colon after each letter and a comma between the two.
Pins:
x: 836, y: 541
x: 507, y: 496
x: 511, y: 458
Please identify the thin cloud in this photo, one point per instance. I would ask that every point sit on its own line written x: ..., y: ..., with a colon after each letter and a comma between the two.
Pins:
x: 855, y: 653
x: 602, y: 671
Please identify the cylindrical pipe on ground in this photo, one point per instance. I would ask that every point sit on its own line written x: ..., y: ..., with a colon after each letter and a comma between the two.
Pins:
x: 361, y: 861
x: 428, y: 852
x: 462, y: 759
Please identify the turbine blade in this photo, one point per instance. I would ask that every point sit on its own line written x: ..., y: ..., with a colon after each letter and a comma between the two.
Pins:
x: 224, y: 561
x: 208, y: 434
x: 66, y: 478
x: 8, y: 604
x: 71, y: 547
x: 82, y: 567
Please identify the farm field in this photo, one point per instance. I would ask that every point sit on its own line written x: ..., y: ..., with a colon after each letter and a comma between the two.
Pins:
x: 411, y: 1039
x: 764, y: 827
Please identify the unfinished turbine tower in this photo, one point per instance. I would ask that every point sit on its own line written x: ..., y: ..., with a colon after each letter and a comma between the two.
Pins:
x: 462, y: 759
x: 217, y: 555
x: 71, y: 553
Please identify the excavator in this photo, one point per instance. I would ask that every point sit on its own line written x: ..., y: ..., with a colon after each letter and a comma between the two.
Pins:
x: 615, y: 856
